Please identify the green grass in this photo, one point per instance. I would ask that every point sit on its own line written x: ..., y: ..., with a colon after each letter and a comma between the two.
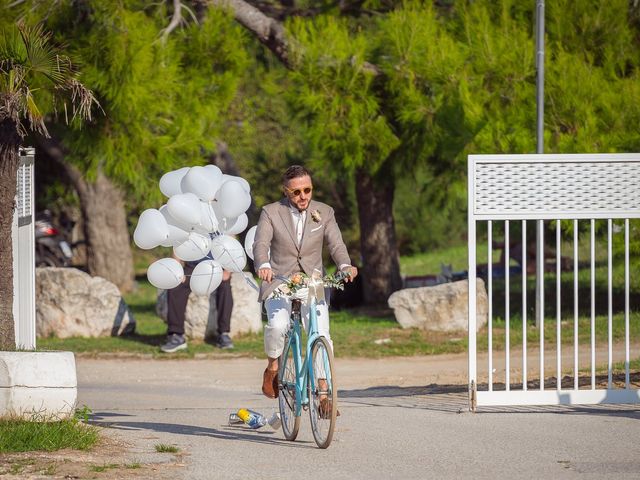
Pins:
x: 429, y: 263
x: 164, y: 448
x: 150, y: 334
x: 354, y: 334
x: 104, y: 467
x: 566, y: 331
x: 18, y: 435
x: 374, y: 334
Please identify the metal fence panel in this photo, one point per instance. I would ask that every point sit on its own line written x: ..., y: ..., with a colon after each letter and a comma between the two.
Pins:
x: 547, y: 189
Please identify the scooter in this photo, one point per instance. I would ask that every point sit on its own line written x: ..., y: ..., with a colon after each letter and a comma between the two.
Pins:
x: 52, y: 250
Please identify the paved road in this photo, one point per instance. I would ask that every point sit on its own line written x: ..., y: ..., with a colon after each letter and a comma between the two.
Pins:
x: 401, y: 418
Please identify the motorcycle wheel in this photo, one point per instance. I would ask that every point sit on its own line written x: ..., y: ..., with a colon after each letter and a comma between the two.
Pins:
x: 48, y: 259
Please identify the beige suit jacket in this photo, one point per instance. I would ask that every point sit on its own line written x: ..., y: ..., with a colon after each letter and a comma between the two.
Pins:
x: 276, y: 233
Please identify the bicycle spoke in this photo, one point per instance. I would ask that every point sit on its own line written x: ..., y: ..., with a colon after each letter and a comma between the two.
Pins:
x: 287, y: 394
x: 322, y: 393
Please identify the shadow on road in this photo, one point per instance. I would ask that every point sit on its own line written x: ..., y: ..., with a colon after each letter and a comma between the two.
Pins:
x: 239, y: 433
x: 454, y: 399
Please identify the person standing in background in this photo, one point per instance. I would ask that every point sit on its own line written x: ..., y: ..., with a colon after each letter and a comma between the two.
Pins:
x: 177, y: 299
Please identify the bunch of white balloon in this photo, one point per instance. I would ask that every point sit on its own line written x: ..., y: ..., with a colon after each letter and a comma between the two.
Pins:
x: 205, y: 208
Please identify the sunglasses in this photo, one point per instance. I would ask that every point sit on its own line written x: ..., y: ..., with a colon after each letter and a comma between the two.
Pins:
x: 298, y: 191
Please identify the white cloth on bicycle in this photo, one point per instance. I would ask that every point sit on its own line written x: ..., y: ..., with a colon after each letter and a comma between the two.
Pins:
x: 278, y: 313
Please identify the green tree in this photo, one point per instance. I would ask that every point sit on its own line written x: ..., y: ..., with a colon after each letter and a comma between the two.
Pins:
x: 383, y: 101
x: 415, y: 87
x: 34, y: 73
x: 164, y: 86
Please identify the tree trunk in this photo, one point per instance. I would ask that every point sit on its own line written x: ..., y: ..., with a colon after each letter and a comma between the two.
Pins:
x: 9, y: 143
x: 381, y: 264
x: 105, y: 228
x: 105, y: 222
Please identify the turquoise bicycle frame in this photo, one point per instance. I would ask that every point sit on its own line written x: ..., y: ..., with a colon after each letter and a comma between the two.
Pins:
x: 304, y: 369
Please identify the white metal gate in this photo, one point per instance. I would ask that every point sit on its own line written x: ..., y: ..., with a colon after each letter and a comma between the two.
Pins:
x: 522, y: 192
x: 24, y: 280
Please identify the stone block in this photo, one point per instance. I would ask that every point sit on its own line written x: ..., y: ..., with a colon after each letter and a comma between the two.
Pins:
x: 441, y: 308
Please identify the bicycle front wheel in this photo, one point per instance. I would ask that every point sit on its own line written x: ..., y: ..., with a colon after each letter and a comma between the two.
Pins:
x: 323, y: 394
x: 287, y: 393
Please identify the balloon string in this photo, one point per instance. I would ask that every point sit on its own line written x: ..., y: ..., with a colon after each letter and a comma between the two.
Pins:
x: 235, y: 264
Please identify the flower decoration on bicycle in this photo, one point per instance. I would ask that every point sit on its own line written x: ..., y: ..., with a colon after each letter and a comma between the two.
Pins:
x: 300, y: 285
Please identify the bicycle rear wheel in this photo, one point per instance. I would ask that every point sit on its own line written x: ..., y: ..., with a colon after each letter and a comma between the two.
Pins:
x: 323, y: 394
x: 287, y: 393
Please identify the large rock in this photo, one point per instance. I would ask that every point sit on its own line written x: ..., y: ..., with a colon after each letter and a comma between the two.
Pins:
x: 38, y: 386
x: 71, y: 303
x: 201, y: 318
x: 441, y: 308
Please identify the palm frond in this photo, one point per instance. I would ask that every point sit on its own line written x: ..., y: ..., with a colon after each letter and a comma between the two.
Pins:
x: 12, y: 48
x: 29, y: 60
x: 33, y: 114
x: 42, y: 56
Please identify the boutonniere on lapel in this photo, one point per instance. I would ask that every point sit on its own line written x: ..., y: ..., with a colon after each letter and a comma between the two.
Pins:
x: 315, y: 216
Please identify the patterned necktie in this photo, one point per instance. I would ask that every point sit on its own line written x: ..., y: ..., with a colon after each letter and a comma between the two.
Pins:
x: 299, y: 227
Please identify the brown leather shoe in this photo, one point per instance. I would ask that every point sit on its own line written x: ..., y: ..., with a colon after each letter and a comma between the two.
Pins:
x: 324, y: 409
x: 270, y: 383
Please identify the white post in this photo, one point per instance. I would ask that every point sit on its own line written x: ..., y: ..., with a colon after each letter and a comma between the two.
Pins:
x: 558, y: 307
x: 24, y: 280
x: 540, y: 146
x: 490, y: 299
x: 471, y: 246
x: 626, y: 303
x: 524, y: 304
x: 507, y: 379
x: 576, y: 373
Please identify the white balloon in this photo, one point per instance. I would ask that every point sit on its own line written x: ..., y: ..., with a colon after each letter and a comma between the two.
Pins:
x: 176, y: 236
x: 208, y: 218
x: 248, y: 241
x: 165, y: 273
x: 170, y: 182
x: 206, y: 277
x: 152, y: 229
x: 194, y: 248
x: 233, y: 200
x: 226, y: 223
x: 164, y: 210
x: 229, y: 252
x: 241, y: 180
x: 201, y: 181
x: 216, y: 176
x: 185, y: 207
x: 234, y: 226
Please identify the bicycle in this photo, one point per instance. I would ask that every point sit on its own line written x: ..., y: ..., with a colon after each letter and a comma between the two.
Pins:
x: 302, y: 385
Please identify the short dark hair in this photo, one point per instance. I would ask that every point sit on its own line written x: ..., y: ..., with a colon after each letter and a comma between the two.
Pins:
x: 294, y: 171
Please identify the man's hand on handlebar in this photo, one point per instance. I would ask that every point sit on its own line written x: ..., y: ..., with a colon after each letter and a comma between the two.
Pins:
x: 352, y: 272
x: 265, y: 274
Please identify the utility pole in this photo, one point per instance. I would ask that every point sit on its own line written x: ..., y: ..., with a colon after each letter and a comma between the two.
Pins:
x: 539, y: 149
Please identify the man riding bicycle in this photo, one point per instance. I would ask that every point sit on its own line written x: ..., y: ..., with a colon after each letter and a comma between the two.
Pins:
x: 289, y: 239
